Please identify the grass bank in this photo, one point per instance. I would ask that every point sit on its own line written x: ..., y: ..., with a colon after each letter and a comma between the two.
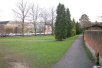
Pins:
x: 88, y: 51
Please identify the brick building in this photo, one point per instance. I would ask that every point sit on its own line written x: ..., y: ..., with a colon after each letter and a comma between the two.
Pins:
x: 2, y: 26
x: 15, y: 27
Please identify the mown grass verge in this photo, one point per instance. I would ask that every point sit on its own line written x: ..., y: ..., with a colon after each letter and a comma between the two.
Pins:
x: 37, y: 54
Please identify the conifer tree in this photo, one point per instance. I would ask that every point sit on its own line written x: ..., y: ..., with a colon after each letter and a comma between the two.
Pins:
x: 60, y: 24
x: 78, y: 28
x: 69, y: 24
x: 73, y: 27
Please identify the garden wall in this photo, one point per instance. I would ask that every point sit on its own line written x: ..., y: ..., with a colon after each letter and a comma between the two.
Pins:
x: 93, y: 40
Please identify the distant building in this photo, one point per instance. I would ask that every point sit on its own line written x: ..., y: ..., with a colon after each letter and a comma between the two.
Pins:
x: 15, y: 27
x: 40, y: 28
x: 2, y: 26
x: 94, y: 27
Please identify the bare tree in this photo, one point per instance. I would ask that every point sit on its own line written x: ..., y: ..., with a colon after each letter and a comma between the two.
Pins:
x: 34, y: 15
x: 22, y: 13
x: 84, y: 21
x: 53, y: 16
x: 45, y: 17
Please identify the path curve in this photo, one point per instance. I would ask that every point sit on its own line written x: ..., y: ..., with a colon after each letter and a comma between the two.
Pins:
x: 75, y: 57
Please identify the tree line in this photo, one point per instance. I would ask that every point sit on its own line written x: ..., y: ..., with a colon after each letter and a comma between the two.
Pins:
x: 25, y: 11
x: 64, y: 26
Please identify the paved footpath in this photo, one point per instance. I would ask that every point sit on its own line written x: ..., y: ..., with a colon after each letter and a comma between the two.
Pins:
x: 75, y: 57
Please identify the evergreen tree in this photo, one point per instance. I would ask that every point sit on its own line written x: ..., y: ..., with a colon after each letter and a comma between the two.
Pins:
x: 78, y: 28
x: 60, y: 24
x: 69, y: 24
x: 73, y: 27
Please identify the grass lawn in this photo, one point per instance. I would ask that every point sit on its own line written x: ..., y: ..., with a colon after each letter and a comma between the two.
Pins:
x: 31, y: 37
x: 37, y: 54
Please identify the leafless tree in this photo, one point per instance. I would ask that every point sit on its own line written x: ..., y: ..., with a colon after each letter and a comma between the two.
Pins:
x: 21, y: 13
x: 53, y: 17
x: 84, y: 20
x: 34, y: 15
x: 45, y: 17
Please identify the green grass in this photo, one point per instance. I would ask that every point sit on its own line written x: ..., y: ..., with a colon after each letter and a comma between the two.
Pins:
x: 3, y: 62
x: 38, y: 54
x: 72, y: 38
x: 31, y: 37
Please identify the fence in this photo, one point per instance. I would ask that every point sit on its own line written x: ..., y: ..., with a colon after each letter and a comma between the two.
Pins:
x: 93, y: 40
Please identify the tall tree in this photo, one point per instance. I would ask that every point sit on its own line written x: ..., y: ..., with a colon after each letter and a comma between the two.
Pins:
x: 78, y: 28
x: 22, y: 13
x: 73, y: 27
x: 84, y: 20
x: 60, y: 24
x: 45, y: 17
x: 34, y: 15
x: 53, y: 15
x: 69, y: 24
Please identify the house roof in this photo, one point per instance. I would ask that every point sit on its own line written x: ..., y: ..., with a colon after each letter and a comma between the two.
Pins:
x: 95, y: 25
x: 4, y: 22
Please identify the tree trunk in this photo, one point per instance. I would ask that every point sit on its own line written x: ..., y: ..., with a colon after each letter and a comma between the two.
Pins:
x: 23, y: 27
x: 44, y: 30
x: 35, y: 32
x: 35, y: 29
x: 52, y: 27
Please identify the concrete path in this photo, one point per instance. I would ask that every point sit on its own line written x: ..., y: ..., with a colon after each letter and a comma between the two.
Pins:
x: 75, y: 57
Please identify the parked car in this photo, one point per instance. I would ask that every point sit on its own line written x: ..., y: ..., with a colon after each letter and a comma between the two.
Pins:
x: 11, y: 34
x: 17, y: 34
x: 3, y: 35
x: 97, y: 66
x: 29, y: 34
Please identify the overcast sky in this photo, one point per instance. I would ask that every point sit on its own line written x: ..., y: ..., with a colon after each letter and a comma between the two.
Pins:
x: 93, y: 8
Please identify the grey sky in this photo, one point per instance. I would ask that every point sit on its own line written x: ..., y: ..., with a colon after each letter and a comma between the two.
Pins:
x: 93, y: 8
